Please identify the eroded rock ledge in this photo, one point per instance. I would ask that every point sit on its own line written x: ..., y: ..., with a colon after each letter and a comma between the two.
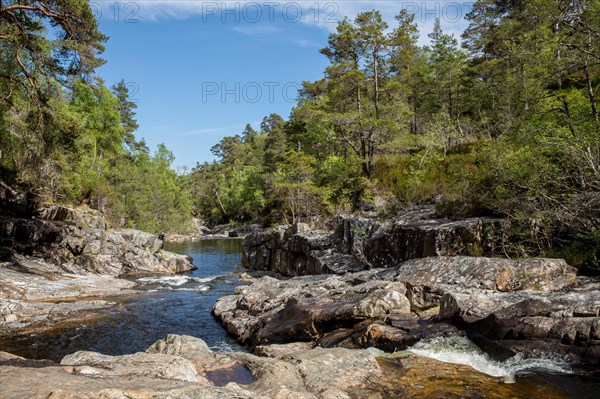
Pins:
x: 498, y: 299
x: 76, y: 241
x: 352, y: 244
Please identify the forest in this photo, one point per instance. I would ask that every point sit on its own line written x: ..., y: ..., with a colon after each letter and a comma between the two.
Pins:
x: 68, y: 137
x: 504, y: 122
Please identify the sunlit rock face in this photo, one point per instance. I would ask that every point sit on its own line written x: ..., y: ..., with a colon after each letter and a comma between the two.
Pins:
x: 184, y: 367
x: 179, y: 367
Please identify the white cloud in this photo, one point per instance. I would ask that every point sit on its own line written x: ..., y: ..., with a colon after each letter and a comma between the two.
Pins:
x: 319, y: 13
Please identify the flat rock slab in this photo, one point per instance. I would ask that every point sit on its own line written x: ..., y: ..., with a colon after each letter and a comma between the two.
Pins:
x: 37, y: 281
x: 34, y: 292
x: 178, y: 366
x: 485, y: 273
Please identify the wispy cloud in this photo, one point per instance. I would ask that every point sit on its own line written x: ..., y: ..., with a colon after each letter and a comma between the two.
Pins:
x: 322, y: 14
x: 306, y: 43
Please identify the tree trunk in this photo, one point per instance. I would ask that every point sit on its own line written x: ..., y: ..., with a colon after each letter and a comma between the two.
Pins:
x: 364, y: 155
x: 590, y: 87
x: 376, y: 76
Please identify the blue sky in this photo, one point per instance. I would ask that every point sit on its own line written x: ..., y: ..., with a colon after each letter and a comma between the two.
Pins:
x: 201, y: 70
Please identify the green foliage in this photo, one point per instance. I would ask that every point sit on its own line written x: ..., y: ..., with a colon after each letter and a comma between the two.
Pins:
x: 294, y: 184
x: 151, y: 196
x: 508, y: 127
x: 582, y: 252
x: 420, y: 177
x: 65, y: 134
x: 235, y: 188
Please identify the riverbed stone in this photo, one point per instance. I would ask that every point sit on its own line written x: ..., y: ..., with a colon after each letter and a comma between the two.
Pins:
x: 310, y: 374
x: 305, y: 374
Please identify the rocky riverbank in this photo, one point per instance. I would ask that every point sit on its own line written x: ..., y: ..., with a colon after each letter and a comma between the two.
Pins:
x: 327, y: 314
x: 351, y: 244
x: 179, y: 367
x: 59, y: 263
x: 367, y: 284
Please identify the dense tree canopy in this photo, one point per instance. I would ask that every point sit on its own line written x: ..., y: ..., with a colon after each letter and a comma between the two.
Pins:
x: 68, y: 137
x: 506, y: 125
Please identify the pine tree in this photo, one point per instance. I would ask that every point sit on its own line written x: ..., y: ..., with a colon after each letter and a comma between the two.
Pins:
x: 127, y: 111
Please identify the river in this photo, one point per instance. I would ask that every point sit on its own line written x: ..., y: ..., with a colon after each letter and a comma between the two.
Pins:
x: 181, y: 304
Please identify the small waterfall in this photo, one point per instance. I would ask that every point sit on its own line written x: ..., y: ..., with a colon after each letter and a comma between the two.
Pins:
x: 460, y: 350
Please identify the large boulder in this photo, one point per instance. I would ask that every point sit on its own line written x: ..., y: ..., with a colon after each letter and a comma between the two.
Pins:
x: 305, y: 308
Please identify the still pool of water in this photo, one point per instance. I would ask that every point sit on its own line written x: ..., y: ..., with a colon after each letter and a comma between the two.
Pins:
x: 179, y: 304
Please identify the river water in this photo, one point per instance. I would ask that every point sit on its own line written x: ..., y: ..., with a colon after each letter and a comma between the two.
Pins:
x: 182, y: 304
x: 179, y: 304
